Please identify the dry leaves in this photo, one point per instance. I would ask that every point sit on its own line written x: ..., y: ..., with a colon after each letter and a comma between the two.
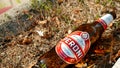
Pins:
x: 56, y: 19
x: 83, y: 11
x: 25, y: 41
x: 116, y: 56
x: 12, y: 43
x: 100, y: 51
x: 60, y: 1
x: 45, y: 34
x: 81, y: 65
x: 42, y: 22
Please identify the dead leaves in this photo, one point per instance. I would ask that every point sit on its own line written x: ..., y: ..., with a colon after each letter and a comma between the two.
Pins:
x: 26, y: 41
x: 49, y: 27
x: 12, y: 43
x: 45, y: 34
x: 23, y: 40
x: 101, y: 51
x: 56, y: 20
x: 60, y: 1
x: 42, y: 22
x: 116, y: 56
x: 81, y: 65
x: 117, y: 60
x: 49, y: 20
x: 77, y: 11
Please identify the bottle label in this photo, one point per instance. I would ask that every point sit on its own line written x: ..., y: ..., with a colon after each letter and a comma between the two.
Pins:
x: 105, y: 20
x: 73, y: 47
x: 102, y: 22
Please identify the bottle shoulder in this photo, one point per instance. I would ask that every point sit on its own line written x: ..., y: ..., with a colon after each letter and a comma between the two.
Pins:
x: 94, y: 30
x: 86, y: 28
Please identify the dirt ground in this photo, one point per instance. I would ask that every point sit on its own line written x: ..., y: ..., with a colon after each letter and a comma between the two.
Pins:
x: 39, y: 29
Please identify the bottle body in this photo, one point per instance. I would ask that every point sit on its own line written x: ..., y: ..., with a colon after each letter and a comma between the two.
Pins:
x: 50, y: 60
x: 73, y: 48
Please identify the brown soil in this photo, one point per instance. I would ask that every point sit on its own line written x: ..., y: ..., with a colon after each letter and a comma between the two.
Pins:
x: 21, y: 45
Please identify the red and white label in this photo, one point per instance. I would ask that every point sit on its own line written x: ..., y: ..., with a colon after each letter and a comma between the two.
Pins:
x: 102, y: 22
x: 105, y: 20
x: 73, y: 47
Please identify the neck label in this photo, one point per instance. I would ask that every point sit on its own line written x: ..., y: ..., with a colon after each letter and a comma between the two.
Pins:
x: 107, y: 18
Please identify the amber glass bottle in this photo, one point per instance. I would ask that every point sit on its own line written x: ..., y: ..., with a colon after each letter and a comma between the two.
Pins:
x: 72, y: 49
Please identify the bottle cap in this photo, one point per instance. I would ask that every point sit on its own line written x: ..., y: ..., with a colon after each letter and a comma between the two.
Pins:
x: 107, y: 18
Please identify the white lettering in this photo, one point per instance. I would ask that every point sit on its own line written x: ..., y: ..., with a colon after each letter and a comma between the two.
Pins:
x: 67, y: 40
x: 72, y: 43
x: 79, y: 53
x: 75, y: 48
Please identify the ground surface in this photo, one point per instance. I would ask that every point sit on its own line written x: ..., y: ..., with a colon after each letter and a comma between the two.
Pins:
x: 39, y: 29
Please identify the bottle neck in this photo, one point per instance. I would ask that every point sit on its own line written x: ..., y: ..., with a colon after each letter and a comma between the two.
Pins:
x: 105, y: 20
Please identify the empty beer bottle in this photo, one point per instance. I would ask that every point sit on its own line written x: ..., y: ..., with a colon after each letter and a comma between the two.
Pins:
x: 72, y: 49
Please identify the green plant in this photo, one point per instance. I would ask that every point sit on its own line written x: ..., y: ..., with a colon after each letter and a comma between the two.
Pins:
x: 42, y: 65
x: 82, y: 1
x: 58, y: 11
x: 34, y: 3
x: 2, y: 5
x: 66, y: 19
x: 18, y: 1
x: 74, y: 27
x: 112, y: 3
x: 116, y: 24
x: 38, y: 4
x: 97, y: 16
x: 43, y: 7
x: 7, y: 16
x: 97, y: 1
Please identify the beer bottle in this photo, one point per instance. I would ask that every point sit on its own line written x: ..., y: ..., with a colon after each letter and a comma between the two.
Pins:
x: 72, y: 48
